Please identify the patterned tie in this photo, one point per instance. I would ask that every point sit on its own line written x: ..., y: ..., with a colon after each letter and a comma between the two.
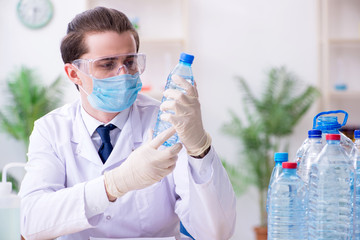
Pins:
x: 106, y: 147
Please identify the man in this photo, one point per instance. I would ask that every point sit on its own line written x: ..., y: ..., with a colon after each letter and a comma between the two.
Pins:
x: 94, y: 169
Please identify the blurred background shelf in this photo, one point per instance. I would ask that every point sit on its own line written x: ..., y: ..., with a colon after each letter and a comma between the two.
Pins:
x: 344, y: 40
x: 339, y: 58
x: 351, y: 95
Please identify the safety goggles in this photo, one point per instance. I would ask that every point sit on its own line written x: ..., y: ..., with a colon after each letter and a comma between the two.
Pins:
x: 110, y: 66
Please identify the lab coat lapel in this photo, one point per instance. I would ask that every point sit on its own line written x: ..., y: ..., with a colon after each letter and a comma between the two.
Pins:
x: 82, y: 141
x: 130, y: 138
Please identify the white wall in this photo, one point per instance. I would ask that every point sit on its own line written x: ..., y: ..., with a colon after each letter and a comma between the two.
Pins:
x: 229, y: 38
x: 245, y: 38
x: 37, y: 49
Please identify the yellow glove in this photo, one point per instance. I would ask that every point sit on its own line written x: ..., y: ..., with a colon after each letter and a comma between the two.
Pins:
x: 187, y: 118
x: 144, y: 166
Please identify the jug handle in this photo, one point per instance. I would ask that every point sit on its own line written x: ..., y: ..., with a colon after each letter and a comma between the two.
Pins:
x: 331, y: 112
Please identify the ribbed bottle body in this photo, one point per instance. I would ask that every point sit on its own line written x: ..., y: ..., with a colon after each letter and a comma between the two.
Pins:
x: 330, y: 207
x: 287, y: 208
x: 356, y: 159
x: 309, y: 157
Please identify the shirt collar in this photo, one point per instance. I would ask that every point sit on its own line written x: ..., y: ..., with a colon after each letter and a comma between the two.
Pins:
x: 92, y: 123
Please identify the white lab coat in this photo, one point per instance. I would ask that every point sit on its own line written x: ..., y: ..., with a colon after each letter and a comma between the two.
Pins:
x: 63, y: 162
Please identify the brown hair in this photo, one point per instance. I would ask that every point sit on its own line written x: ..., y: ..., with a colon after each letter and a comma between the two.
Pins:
x: 99, y: 19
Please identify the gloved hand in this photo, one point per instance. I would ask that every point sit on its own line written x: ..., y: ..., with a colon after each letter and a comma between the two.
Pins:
x: 144, y: 166
x: 187, y: 118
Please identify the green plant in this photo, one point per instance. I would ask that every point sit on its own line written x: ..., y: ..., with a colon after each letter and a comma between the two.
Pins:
x: 29, y: 100
x: 269, y: 119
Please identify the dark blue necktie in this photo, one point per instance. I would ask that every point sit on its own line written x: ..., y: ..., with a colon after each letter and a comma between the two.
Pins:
x: 106, y: 147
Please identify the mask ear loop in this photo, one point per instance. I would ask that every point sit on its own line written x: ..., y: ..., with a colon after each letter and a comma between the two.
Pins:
x: 83, y: 90
x: 78, y: 84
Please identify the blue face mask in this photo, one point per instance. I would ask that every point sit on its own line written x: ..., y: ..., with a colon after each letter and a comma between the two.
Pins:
x: 114, y: 94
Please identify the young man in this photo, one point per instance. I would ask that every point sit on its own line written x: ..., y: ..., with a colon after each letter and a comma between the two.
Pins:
x: 75, y: 189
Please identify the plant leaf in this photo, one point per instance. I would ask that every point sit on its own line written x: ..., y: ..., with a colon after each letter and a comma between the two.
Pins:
x: 269, y: 119
x: 29, y: 101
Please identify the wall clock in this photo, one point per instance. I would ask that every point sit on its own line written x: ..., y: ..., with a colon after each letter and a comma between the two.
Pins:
x: 35, y: 13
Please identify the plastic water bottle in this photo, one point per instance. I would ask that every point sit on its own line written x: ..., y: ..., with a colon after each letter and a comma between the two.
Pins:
x: 303, y: 148
x: 279, y: 158
x: 300, y: 152
x: 329, y: 125
x: 331, y: 194
x: 183, y: 69
x: 356, y: 158
x: 9, y: 208
x: 287, y: 208
x: 310, y: 154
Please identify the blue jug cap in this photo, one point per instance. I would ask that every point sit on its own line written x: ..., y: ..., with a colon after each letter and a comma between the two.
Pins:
x: 329, y: 122
x: 314, y: 133
x: 357, y: 133
x: 184, y: 57
x: 281, y: 157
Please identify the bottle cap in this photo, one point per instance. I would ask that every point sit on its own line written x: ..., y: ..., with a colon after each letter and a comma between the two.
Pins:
x: 357, y: 133
x: 329, y: 122
x: 184, y: 57
x: 291, y: 165
x: 281, y: 157
x: 314, y: 133
x: 333, y: 137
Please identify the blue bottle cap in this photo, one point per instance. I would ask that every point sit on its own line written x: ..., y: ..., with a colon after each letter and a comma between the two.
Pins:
x: 314, y: 133
x: 281, y: 157
x: 184, y: 57
x: 328, y: 123
x: 357, y: 133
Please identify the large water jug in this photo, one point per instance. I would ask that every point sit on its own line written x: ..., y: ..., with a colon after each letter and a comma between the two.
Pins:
x: 287, y: 208
x: 329, y: 124
x: 331, y: 194
x: 356, y: 159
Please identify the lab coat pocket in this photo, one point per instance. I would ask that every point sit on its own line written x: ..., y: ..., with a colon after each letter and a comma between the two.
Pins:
x: 156, y: 210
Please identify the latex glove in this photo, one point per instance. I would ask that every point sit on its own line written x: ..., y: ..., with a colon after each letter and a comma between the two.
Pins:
x: 187, y: 118
x: 144, y: 166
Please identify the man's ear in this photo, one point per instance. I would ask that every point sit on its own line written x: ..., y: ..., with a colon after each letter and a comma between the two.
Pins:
x: 72, y: 73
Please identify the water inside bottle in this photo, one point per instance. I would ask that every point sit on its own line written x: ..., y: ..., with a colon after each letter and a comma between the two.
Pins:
x: 163, y: 125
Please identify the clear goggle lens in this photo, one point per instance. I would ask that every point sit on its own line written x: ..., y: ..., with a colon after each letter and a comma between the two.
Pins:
x: 111, y: 66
